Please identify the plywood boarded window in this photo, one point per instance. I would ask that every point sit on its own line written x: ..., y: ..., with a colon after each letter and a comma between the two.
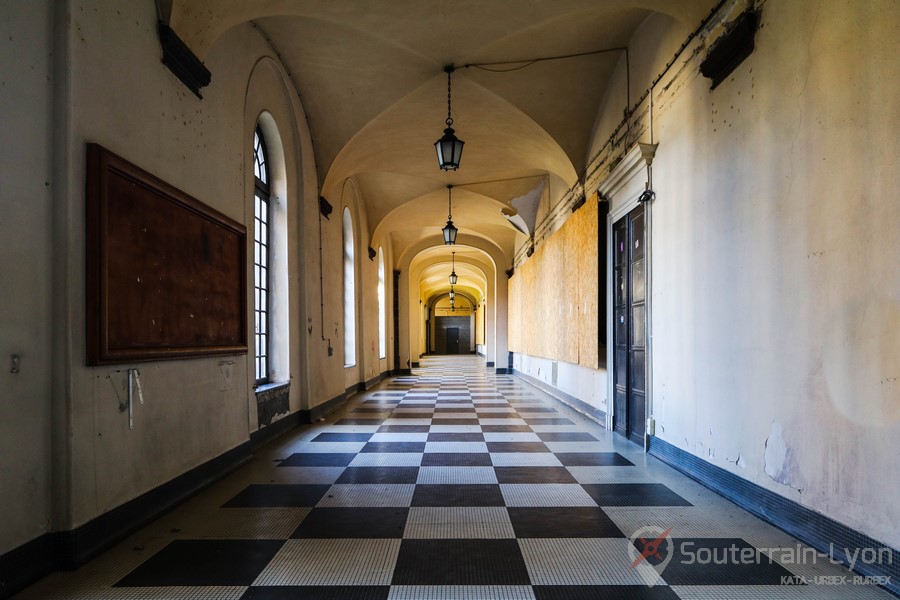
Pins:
x: 559, y: 287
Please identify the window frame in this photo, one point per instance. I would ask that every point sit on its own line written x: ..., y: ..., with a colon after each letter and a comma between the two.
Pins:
x: 382, y: 306
x: 348, y: 246
x: 261, y: 258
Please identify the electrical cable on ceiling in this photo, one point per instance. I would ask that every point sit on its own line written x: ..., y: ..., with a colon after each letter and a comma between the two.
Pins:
x: 527, y: 62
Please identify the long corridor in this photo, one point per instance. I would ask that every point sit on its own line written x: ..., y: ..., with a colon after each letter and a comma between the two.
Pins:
x: 452, y: 483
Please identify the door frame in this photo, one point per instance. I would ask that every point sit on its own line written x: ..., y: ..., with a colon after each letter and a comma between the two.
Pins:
x: 447, y: 331
x: 622, y: 189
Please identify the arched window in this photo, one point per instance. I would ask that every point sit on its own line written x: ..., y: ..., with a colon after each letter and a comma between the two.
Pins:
x: 261, y: 256
x: 382, y: 308
x: 349, y: 292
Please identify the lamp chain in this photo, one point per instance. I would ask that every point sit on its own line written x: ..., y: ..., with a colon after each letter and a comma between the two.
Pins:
x: 449, y: 118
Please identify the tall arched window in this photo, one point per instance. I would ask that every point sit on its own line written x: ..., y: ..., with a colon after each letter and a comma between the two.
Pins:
x: 349, y: 292
x: 261, y: 256
x: 382, y: 307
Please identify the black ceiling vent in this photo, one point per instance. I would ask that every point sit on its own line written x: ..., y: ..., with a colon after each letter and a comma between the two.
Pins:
x: 182, y: 62
x: 731, y: 49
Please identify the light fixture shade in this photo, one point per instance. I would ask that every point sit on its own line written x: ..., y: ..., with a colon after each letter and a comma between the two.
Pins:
x: 452, y: 294
x: 453, y: 278
x: 449, y: 233
x: 449, y: 150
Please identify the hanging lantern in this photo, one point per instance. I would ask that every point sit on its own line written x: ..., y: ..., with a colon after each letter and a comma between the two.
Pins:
x: 449, y: 148
x: 449, y: 229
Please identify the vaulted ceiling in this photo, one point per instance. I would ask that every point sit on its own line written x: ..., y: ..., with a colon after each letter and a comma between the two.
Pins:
x: 371, y: 77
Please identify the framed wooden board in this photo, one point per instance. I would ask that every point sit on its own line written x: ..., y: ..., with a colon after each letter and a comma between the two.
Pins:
x: 166, y: 274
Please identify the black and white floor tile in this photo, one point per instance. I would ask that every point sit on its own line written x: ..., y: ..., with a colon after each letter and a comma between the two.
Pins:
x: 452, y: 483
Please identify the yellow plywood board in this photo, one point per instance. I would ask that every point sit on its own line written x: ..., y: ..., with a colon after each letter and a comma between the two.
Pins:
x: 553, y: 297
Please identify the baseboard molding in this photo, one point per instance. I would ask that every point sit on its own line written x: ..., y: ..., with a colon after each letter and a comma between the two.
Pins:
x: 322, y: 410
x: 591, y: 412
x: 810, y: 527
x: 502, y: 371
x: 489, y: 364
x: 275, y: 429
x: 415, y: 365
x: 67, y: 550
x: 376, y: 380
x: 28, y: 563
x: 401, y: 372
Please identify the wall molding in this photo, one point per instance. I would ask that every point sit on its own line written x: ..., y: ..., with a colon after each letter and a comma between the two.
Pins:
x: 810, y: 527
x: 591, y: 412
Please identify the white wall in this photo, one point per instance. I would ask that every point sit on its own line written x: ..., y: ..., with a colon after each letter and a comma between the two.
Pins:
x: 58, y: 415
x: 27, y: 189
x: 776, y: 296
x: 583, y: 383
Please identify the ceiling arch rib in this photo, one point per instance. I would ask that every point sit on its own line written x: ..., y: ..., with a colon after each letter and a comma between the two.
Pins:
x: 437, y: 34
x: 474, y: 214
x: 431, y: 268
x: 502, y: 142
x: 374, y: 92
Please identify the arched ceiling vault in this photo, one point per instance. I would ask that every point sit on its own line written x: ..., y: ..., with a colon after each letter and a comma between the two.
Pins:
x: 431, y: 271
x: 371, y: 80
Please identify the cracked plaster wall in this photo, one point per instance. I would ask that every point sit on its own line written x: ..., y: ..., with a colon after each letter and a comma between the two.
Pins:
x: 776, y: 300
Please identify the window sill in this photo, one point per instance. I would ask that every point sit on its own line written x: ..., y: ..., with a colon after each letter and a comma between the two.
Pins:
x: 271, y: 387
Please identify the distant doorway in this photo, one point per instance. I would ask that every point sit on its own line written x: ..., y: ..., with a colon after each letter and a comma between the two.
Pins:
x: 453, y: 340
x: 629, y: 326
x: 452, y: 335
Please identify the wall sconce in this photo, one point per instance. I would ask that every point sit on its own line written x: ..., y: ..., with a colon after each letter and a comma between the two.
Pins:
x: 325, y: 207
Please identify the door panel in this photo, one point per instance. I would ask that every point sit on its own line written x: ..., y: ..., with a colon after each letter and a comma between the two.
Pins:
x: 453, y: 340
x: 630, y: 326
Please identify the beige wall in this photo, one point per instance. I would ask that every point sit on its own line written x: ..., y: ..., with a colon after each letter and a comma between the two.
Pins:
x: 27, y: 193
x: 127, y: 101
x: 776, y: 299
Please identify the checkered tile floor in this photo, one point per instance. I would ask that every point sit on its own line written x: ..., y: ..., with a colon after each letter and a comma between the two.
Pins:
x: 450, y: 483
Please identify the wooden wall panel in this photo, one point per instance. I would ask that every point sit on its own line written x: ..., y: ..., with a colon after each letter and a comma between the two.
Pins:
x: 553, y: 297
x: 585, y: 245
x: 166, y: 274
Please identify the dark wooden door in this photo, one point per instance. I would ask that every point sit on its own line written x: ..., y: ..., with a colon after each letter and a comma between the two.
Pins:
x: 452, y: 340
x: 630, y: 326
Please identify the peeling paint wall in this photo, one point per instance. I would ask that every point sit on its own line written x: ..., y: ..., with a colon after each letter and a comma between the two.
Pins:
x: 776, y: 300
